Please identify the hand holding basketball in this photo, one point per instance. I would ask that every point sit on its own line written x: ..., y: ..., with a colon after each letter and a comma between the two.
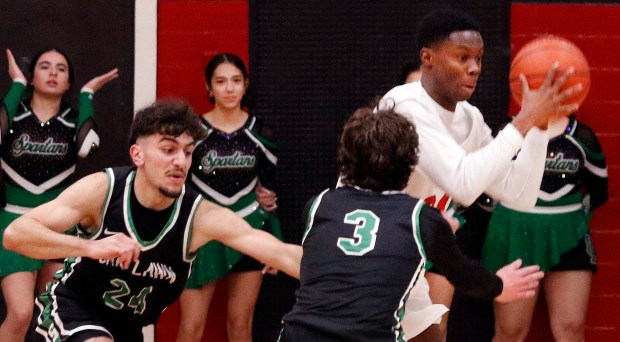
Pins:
x: 537, y: 57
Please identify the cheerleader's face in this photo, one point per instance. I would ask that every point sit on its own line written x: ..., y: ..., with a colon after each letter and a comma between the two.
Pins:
x: 51, y: 74
x: 227, y: 86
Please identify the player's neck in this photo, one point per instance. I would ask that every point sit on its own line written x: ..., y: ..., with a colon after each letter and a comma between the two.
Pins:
x: 149, y: 195
x: 437, y: 93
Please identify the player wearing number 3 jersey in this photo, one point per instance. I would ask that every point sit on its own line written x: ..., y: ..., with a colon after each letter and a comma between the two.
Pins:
x: 366, y: 243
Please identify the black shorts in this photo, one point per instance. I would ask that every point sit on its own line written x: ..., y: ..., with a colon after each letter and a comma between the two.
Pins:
x: 247, y: 264
x: 580, y: 258
x: 299, y: 333
x: 74, y: 321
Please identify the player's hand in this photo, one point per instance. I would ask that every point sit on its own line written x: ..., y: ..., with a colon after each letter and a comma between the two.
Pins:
x: 519, y: 283
x: 454, y: 223
x: 14, y: 71
x: 118, y: 246
x: 266, y: 198
x: 269, y: 270
x: 98, y: 82
x: 545, y: 102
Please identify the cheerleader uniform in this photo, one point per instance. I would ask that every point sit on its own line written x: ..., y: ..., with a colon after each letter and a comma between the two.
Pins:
x: 38, y: 160
x: 555, y: 233
x: 226, y: 168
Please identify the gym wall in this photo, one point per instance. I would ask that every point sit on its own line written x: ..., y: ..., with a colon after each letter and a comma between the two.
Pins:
x: 593, y: 26
x: 97, y: 36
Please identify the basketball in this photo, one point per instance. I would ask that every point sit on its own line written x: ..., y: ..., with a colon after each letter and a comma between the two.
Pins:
x: 536, y: 58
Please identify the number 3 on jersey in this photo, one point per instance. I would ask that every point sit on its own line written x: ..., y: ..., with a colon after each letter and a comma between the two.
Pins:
x: 365, y: 234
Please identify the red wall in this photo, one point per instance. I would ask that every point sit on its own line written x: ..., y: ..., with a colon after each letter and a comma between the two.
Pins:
x: 189, y: 33
x: 596, y: 30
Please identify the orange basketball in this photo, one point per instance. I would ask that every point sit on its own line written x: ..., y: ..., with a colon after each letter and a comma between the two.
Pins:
x: 536, y: 58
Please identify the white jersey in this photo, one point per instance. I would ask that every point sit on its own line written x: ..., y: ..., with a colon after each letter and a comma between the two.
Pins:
x: 460, y: 159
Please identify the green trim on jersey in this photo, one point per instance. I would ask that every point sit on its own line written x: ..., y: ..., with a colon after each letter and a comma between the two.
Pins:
x: 268, y: 143
x: 415, y: 222
x: 311, y: 214
x: 562, y: 201
x: 129, y: 219
x: 188, y: 256
x: 589, y: 154
x: 108, y: 195
x: 399, y: 314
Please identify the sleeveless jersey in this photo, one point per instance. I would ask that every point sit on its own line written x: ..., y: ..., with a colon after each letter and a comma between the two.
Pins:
x: 362, y: 256
x: 138, y: 295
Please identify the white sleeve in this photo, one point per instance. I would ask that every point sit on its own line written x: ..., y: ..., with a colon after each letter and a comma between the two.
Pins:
x: 519, y: 185
x: 464, y: 176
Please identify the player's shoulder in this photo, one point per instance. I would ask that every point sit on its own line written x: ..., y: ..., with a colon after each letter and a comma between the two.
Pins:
x: 405, y: 92
x: 429, y: 213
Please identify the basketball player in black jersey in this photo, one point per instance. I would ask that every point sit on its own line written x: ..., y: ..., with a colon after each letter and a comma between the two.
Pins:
x: 367, y: 242
x: 144, y: 227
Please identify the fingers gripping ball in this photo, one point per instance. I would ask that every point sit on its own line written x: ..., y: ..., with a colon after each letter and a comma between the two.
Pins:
x: 536, y: 58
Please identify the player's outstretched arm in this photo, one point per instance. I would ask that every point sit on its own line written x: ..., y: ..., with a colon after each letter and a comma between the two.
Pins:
x: 39, y: 233
x: 468, y: 275
x: 213, y: 222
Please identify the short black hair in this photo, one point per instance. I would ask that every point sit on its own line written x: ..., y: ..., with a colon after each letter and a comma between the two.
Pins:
x: 167, y: 117
x: 438, y: 25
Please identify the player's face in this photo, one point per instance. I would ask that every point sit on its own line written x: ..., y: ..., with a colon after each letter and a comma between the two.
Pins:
x: 51, y: 74
x: 228, y: 86
x: 167, y: 160
x: 456, y: 64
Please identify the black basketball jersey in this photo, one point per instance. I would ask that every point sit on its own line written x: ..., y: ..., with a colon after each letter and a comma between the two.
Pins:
x: 138, y: 295
x: 362, y: 254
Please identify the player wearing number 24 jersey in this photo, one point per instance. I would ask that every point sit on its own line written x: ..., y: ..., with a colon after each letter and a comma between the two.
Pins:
x: 145, y: 227
x: 134, y: 297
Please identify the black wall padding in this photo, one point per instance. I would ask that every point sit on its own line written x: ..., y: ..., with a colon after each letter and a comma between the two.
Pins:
x: 313, y: 62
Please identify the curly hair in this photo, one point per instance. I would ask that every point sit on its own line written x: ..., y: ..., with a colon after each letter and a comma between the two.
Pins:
x: 168, y: 117
x: 378, y: 150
